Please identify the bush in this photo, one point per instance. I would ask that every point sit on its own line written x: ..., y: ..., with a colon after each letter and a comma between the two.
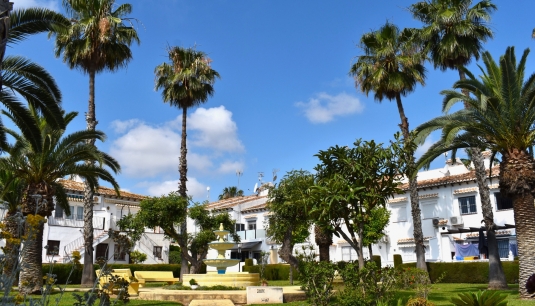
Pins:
x: 273, y: 271
x: 175, y: 257
x: 419, y: 302
x: 485, y: 298
x: 377, y: 260
x: 398, y: 261
x: 138, y: 257
x: 248, y: 262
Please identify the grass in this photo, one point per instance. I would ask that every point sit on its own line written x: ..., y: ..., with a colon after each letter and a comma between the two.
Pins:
x: 68, y: 300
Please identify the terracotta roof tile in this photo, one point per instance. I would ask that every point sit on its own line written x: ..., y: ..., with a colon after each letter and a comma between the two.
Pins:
x: 110, y: 192
x: 255, y: 208
x: 452, y: 179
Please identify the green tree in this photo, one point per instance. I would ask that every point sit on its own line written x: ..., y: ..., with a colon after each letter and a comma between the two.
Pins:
x: 5, y: 10
x: 500, y: 117
x: 453, y: 33
x: 40, y: 164
x: 97, y: 39
x: 289, y: 223
x: 350, y: 184
x: 391, y: 67
x: 374, y: 229
x: 230, y: 192
x: 187, y: 81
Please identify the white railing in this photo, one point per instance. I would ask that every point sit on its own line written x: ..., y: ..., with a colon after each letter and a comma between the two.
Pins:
x: 78, y: 221
x: 149, y: 245
x: 78, y: 244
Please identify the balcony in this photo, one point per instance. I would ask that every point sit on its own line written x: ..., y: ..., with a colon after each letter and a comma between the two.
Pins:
x: 250, y: 234
x: 78, y: 221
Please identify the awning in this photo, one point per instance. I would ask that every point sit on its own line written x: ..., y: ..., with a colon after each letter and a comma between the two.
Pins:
x: 245, y: 245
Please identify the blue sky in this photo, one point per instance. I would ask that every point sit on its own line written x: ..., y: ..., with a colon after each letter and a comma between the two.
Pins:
x: 284, y: 92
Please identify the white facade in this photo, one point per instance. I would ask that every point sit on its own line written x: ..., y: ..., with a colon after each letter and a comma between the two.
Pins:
x: 64, y: 234
x: 449, y: 201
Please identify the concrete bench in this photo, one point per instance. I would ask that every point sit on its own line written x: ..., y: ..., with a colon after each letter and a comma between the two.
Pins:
x: 155, y: 276
x: 133, y: 287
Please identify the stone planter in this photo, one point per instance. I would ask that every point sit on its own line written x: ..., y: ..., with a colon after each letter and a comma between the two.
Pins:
x: 193, y: 287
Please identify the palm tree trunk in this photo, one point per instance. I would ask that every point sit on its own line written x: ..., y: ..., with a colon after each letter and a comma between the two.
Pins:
x: 11, y: 250
x: 496, y: 274
x: 497, y: 278
x: 88, y: 277
x: 413, y: 189
x: 5, y: 9
x: 182, y: 190
x: 31, y: 273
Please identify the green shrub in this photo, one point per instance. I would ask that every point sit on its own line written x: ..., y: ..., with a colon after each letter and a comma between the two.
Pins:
x: 248, y: 262
x: 467, y: 272
x: 138, y: 257
x: 485, y: 298
x: 419, y: 302
x: 174, y: 248
x: 273, y: 271
x: 377, y: 260
x: 398, y: 261
x: 175, y: 257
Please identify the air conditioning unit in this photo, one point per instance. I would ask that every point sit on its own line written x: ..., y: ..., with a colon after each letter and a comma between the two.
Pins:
x: 436, y: 221
x: 384, y: 239
x: 456, y: 220
x: 96, y: 200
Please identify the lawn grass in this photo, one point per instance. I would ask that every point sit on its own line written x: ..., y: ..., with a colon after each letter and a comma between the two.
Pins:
x: 68, y: 300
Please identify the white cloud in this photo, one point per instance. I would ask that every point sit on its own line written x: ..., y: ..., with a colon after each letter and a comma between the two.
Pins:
x: 230, y: 167
x: 122, y: 126
x: 195, y: 189
x: 424, y: 147
x: 53, y: 4
x: 214, y: 129
x: 324, y: 108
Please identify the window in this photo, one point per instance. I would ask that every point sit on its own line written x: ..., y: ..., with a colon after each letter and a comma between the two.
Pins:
x: 157, y: 251
x: 79, y: 213
x: 503, y: 202
x: 503, y: 247
x: 399, y: 213
x: 72, y: 212
x: 120, y: 253
x: 240, y: 227
x: 53, y: 247
x: 102, y: 251
x: 58, y: 214
x: 467, y: 205
x: 429, y: 208
x: 251, y: 225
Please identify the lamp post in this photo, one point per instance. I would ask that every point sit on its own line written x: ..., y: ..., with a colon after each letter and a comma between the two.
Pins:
x: 239, y: 257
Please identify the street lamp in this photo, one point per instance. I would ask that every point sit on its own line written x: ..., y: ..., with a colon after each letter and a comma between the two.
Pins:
x: 239, y: 257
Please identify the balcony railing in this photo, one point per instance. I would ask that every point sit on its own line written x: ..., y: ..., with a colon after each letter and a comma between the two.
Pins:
x: 78, y: 221
x: 250, y: 234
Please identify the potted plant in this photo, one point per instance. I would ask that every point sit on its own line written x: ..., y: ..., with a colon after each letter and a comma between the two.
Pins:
x: 193, y: 283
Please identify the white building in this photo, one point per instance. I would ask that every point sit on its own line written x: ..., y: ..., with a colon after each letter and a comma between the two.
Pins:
x: 451, y: 219
x: 65, y: 233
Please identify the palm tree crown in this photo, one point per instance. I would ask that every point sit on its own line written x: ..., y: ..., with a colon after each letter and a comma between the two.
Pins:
x: 453, y: 31
x: 230, y: 192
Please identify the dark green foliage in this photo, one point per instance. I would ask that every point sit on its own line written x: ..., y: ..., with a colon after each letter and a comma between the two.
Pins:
x: 317, y: 280
x: 273, y: 271
x: 62, y: 270
x: 377, y: 260
x: 398, y: 261
x: 175, y: 257
x: 419, y: 302
x: 248, y: 262
x: 174, y: 248
x: 482, y: 298
x: 466, y: 272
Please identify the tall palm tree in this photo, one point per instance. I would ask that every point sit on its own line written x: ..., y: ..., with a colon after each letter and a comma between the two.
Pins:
x: 98, y: 39
x: 230, y: 192
x: 40, y: 166
x: 453, y: 33
x: 186, y: 81
x: 391, y: 67
x: 500, y: 116
x: 5, y: 9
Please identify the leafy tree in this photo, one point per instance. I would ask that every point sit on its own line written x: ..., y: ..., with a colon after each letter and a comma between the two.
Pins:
x: 289, y: 223
x: 40, y: 164
x: 186, y: 81
x: 350, y: 184
x: 374, y: 229
x: 453, y: 33
x: 230, y: 192
x: 500, y: 116
x: 391, y: 67
x: 167, y: 212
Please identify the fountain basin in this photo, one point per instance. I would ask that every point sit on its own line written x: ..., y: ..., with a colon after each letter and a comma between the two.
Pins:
x: 221, y: 264
x: 233, y: 279
x: 223, y: 246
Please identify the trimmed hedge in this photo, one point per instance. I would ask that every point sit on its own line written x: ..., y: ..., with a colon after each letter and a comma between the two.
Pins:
x: 398, y: 261
x: 248, y: 262
x: 62, y: 270
x: 467, y: 272
x: 273, y: 271
x: 377, y: 260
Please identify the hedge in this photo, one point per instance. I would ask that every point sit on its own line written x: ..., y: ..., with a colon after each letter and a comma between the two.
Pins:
x: 273, y: 271
x: 62, y: 270
x: 467, y: 272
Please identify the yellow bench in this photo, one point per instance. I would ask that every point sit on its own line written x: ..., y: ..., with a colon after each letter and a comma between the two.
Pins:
x: 133, y: 287
x: 155, y: 276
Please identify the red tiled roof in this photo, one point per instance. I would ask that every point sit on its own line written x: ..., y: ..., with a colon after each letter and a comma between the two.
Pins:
x: 110, y: 192
x: 452, y: 179
x: 254, y: 208
x: 231, y: 202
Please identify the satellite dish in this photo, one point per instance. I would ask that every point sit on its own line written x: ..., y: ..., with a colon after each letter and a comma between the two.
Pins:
x: 255, y: 187
x: 274, y: 178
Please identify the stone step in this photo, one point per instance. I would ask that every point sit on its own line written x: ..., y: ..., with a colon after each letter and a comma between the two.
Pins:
x: 211, y: 303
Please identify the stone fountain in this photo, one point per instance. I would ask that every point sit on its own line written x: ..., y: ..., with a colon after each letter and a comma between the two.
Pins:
x: 239, y: 279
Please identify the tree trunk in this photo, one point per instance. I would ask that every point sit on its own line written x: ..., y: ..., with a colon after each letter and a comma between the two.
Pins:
x: 5, y: 8
x: 413, y: 189
x: 286, y: 249
x: 88, y: 277
x: 182, y: 190
x: 324, y: 240
x: 11, y: 250
x: 31, y: 273
x: 517, y: 180
x: 370, y: 250
x: 497, y: 278
x: 360, y: 249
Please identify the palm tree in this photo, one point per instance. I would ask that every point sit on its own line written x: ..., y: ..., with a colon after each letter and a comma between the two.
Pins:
x: 500, y: 116
x: 97, y: 39
x: 391, y: 67
x: 40, y: 164
x: 5, y: 8
x: 453, y: 33
x: 230, y: 192
x: 186, y: 81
